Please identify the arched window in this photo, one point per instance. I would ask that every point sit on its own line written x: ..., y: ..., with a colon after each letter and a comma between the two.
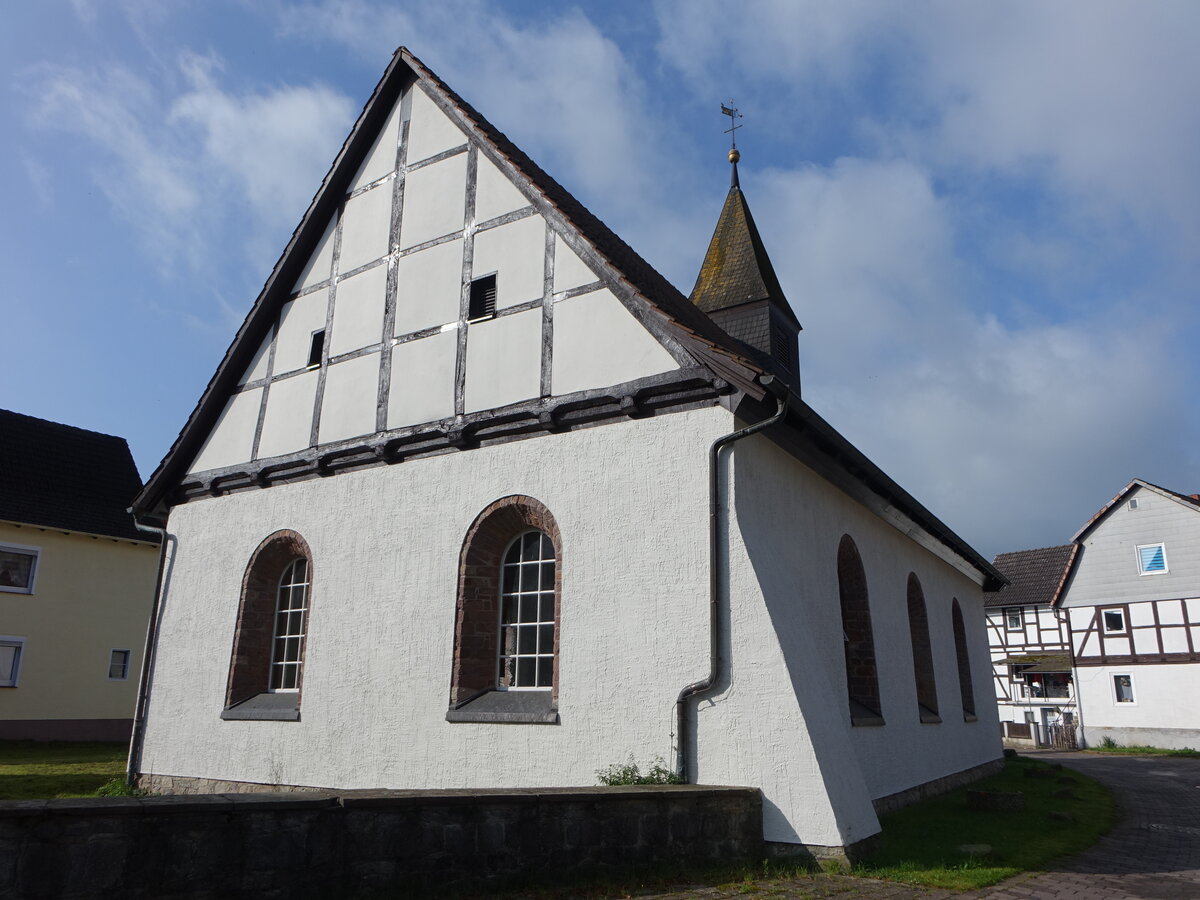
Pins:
x: 922, y: 651
x: 965, y: 686
x: 862, y: 679
x: 266, y: 672
x: 507, y: 618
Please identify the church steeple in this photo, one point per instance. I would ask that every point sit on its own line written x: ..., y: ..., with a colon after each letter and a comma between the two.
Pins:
x: 738, y: 288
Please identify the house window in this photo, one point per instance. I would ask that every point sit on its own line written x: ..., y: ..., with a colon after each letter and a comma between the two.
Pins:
x: 118, y: 665
x: 1133, y: 503
x: 266, y: 671
x: 482, y: 302
x: 527, y: 613
x: 11, y: 650
x: 922, y: 652
x: 965, y: 685
x: 1114, y: 621
x: 18, y: 568
x: 1123, y: 688
x: 507, y: 617
x: 1013, y: 620
x: 862, y: 679
x: 1152, y: 559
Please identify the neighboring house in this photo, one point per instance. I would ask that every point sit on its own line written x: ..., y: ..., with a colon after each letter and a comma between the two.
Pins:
x: 1133, y: 607
x: 454, y: 512
x: 1101, y: 637
x: 76, y: 583
x: 1031, y: 653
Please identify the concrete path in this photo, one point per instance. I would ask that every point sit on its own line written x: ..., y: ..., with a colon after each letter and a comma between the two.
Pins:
x: 1153, y: 854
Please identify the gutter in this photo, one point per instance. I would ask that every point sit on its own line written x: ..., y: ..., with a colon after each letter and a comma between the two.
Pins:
x: 698, y: 688
x: 143, y: 692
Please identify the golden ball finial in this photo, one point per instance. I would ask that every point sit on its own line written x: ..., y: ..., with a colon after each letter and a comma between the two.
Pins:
x: 734, y: 155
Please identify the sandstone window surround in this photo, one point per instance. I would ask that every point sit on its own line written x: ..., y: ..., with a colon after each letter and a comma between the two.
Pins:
x: 266, y: 671
x: 507, y: 617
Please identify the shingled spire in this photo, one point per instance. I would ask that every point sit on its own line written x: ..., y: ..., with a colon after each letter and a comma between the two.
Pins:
x: 739, y: 290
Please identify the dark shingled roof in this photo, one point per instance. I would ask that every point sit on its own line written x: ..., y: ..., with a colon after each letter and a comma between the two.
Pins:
x: 1035, y: 576
x: 736, y: 268
x: 62, y: 477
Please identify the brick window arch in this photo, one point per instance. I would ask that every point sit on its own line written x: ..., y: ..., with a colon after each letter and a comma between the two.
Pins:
x: 965, y: 686
x: 862, y: 677
x: 486, y: 682
x: 266, y: 671
x: 922, y: 651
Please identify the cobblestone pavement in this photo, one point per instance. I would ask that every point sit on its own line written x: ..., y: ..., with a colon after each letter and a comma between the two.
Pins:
x: 1153, y: 854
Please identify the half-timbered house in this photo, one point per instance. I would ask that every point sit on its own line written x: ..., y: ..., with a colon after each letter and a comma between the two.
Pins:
x: 478, y: 499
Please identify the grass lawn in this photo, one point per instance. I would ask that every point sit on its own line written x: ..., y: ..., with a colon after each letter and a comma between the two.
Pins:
x: 36, y: 770
x: 1136, y: 750
x: 921, y: 843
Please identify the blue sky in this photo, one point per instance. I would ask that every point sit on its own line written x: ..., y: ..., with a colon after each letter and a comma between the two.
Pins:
x: 986, y: 216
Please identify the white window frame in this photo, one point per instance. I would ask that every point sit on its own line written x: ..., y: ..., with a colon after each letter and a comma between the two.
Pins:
x: 36, y: 553
x: 1117, y: 701
x: 1124, y: 629
x: 128, y: 662
x: 10, y: 640
x: 521, y: 596
x: 1137, y: 552
x: 1020, y: 611
x: 285, y: 620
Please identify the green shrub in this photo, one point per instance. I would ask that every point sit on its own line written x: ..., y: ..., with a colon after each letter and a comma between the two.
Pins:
x: 1108, y: 743
x: 117, y: 787
x: 631, y: 773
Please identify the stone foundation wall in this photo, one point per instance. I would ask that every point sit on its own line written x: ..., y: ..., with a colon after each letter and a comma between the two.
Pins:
x: 901, y: 799
x: 361, y: 843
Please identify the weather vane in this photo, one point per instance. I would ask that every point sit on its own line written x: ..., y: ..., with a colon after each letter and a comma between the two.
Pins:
x: 734, y: 115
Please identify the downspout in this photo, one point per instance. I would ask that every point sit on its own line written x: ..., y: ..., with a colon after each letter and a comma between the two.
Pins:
x: 143, y: 694
x: 697, y: 688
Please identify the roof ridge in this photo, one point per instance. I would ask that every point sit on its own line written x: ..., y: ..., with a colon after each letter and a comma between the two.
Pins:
x: 52, y: 423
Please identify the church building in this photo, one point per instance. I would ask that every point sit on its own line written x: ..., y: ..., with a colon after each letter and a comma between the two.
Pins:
x: 477, y: 498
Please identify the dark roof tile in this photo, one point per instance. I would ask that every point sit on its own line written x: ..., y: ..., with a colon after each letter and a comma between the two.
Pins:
x: 59, y: 476
x: 1035, y: 576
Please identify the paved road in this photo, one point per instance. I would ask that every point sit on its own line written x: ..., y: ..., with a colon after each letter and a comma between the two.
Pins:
x: 1153, y: 854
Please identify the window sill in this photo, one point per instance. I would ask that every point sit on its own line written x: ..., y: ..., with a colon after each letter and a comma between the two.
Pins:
x: 929, y: 717
x: 265, y: 707
x: 507, y: 708
x: 862, y: 716
x: 970, y: 717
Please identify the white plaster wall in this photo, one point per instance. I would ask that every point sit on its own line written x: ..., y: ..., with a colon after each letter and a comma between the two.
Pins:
x: 504, y: 360
x: 429, y: 287
x: 434, y: 201
x: 386, y: 546
x: 597, y: 343
x: 1165, y: 704
x: 495, y: 195
x: 422, y: 388
x: 298, y: 320
x: 569, y: 270
x: 287, y: 424
x: 516, y: 252
x: 358, y: 311
x: 261, y: 362
x: 429, y: 131
x: 366, y: 227
x: 350, y: 399
x: 381, y: 159
x: 232, y: 438
x: 317, y: 268
x: 791, y: 523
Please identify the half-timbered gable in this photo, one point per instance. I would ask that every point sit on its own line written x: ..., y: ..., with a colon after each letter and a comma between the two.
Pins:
x: 478, y: 499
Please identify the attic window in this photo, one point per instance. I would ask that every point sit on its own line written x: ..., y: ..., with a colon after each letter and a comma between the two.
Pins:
x: 483, y: 299
x: 781, y: 348
x: 315, y: 348
x: 1133, y: 504
x: 1152, y: 559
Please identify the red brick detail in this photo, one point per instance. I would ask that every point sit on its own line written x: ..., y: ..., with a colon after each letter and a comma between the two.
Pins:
x: 965, y: 686
x: 250, y: 664
x: 918, y: 629
x: 477, y: 611
x: 862, y: 679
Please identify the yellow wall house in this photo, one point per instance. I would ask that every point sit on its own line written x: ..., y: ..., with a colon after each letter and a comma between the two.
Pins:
x: 76, y: 583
